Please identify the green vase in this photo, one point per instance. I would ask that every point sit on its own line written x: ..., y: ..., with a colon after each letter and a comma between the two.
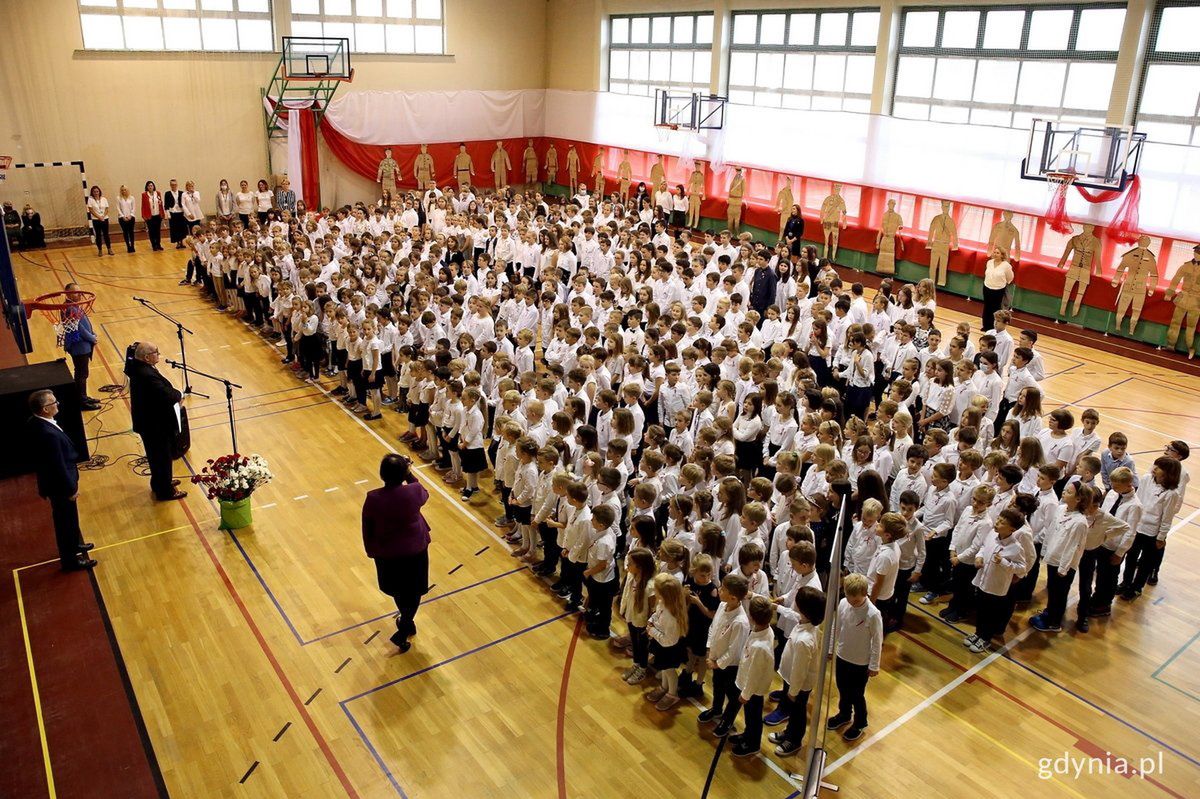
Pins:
x: 235, y: 515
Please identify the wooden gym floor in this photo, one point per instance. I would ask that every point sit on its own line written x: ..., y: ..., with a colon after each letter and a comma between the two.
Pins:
x: 261, y: 665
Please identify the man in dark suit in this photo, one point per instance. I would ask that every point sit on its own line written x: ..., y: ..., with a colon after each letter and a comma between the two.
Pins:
x: 58, y: 479
x: 152, y: 401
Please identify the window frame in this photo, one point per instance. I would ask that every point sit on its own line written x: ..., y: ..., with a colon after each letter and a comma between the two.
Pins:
x: 847, y: 48
x: 650, y: 46
x: 383, y: 21
x: 1155, y: 58
x: 118, y: 11
x: 1020, y: 54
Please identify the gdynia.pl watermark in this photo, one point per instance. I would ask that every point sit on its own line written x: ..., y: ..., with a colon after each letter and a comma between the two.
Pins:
x: 1076, y: 766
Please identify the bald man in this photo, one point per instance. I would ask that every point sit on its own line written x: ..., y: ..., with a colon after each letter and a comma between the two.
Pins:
x: 152, y: 401
x: 55, y: 457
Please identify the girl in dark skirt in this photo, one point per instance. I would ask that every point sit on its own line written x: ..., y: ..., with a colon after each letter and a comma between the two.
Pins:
x: 668, y: 639
x: 703, y: 600
x: 748, y: 436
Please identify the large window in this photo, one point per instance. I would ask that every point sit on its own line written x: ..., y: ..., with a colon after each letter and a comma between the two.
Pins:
x: 374, y: 26
x: 176, y: 25
x: 809, y: 59
x: 1004, y: 66
x: 1169, y: 109
x: 660, y: 52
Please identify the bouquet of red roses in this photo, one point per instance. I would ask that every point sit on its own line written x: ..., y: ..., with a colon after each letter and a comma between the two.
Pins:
x: 233, y: 477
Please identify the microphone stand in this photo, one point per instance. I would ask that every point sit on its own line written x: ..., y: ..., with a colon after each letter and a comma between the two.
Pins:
x: 229, y: 387
x: 179, y: 331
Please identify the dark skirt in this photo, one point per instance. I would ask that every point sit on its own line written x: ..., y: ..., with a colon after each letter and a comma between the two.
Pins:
x: 748, y: 454
x: 405, y: 577
x: 668, y: 657
x: 418, y: 414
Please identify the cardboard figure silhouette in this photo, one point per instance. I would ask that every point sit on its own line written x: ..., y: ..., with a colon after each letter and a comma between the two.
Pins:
x: 1006, y: 236
x: 500, y: 166
x: 598, y: 173
x: 529, y: 157
x: 624, y: 175
x: 695, y: 194
x: 783, y: 204
x: 1084, y: 251
x: 1184, y: 291
x: 737, y: 190
x: 423, y: 169
x: 388, y: 173
x: 1137, y: 275
x: 833, y: 220
x: 658, y: 174
x: 943, y: 238
x: 551, y: 164
x: 573, y: 168
x: 464, y: 167
x: 885, y: 242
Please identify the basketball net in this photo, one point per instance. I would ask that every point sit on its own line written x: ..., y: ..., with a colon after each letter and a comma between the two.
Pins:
x: 1122, y: 228
x: 64, y: 310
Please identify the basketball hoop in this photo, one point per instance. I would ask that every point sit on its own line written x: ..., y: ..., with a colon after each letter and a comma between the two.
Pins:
x: 63, y: 309
x: 1056, y: 211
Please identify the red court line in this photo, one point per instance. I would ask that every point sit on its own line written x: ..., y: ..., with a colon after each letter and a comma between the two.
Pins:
x: 1082, y: 742
x: 262, y: 642
x: 559, y: 738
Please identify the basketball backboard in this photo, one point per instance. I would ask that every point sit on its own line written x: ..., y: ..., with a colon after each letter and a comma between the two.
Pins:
x: 690, y: 111
x: 1099, y: 158
x: 316, y: 58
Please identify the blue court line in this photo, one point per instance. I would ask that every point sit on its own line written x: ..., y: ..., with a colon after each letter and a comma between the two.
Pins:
x: 1008, y: 656
x: 1175, y: 655
x: 344, y: 704
x: 1081, y: 400
x: 1064, y: 371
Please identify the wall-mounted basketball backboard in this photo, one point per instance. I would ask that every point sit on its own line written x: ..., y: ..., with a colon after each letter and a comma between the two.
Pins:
x: 693, y: 111
x: 1095, y: 157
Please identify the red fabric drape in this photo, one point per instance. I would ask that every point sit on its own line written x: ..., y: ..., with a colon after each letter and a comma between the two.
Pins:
x: 310, y: 165
x: 1124, y: 225
x: 1056, y: 211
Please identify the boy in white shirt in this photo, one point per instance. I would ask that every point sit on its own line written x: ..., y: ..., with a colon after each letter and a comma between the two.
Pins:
x: 859, y: 645
x: 726, y: 637
x: 753, y: 679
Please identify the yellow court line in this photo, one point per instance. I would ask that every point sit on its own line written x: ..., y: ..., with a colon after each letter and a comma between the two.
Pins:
x: 37, y: 701
x: 1019, y: 757
x: 118, y: 543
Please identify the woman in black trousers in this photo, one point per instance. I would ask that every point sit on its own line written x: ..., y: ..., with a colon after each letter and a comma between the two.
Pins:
x: 997, y: 276
x: 97, y: 206
x: 396, y: 537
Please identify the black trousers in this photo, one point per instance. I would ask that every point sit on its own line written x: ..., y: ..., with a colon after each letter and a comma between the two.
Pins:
x: 1108, y: 574
x: 897, y: 606
x: 407, y: 607
x: 1090, y: 578
x: 154, y: 232
x: 100, y: 231
x: 752, y: 717
x: 797, y: 725
x: 935, y: 575
x: 552, y: 551
x: 158, y: 455
x: 994, y: 613
x: 599, y: 604
x: 993, y: 300
x: 1144, y: 557
x: 66, y: 528
x: 1058, y: 586
x: 127, y: 232
x: 571, y: 574
x: 639, y: 640
x: 725, y: 690
x: 963, y: 601
x: 1022, y: 590
x: 851, y: 681
x: 82, y: 366
x: 177, y: 226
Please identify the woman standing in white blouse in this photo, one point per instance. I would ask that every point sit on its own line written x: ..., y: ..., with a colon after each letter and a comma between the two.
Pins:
x: 226, y: 203
x: 264, y: 199
x: 997, y: 275
x: 244, y: 200
x: 125, y: 217
x: 97, y: 206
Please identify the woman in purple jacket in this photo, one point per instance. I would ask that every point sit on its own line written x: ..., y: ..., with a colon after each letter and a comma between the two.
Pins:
x: 396, y: 537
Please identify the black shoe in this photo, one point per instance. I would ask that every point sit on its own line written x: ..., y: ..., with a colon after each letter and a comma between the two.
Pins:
x: 1097, y: 613
x: 86, y: 548
x: 80, y: 563
x: 853, y: 734
x: 741, y: 749
x: 837, y: 722
x: 1082, y: 624
x: 1152, y: 579
x: 722, y: 730
x: 708, y: 716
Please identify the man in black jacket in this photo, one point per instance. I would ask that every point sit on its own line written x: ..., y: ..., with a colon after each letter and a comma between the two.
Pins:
x: 152, y: 401
x: 58, y: 479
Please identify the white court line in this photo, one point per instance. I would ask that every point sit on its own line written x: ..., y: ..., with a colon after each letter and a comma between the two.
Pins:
x: 202, y: 349
x: 359, y: 482
x: 224, y: 346
x: 302, y: 496
x: 328, y: 490
x: 927, y: 702
x: 771, y: 764
x: 268, y: 505
x: 1185, y: 521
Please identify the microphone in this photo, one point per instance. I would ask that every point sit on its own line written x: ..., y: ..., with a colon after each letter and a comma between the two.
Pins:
x: 175, y: 364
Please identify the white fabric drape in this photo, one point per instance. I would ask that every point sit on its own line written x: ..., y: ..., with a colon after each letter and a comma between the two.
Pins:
x: 295, y: 160
x: 376, y: 117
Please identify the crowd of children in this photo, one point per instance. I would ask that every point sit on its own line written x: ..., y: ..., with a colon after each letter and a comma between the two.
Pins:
x: 667, y: 420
